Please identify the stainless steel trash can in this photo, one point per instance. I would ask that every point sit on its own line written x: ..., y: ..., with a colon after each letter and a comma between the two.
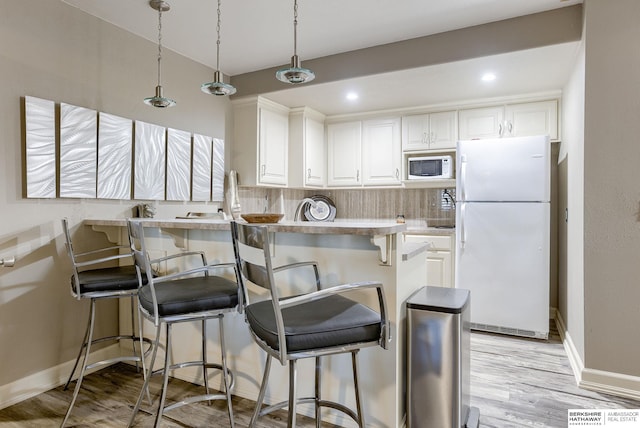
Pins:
x: 438, y: 359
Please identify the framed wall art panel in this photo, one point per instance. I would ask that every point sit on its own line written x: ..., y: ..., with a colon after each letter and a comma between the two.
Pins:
x: 178, y: 165
x: 149, y: 171
x: 40, y: 147
x: 78, y: 151
x: 115, y: 149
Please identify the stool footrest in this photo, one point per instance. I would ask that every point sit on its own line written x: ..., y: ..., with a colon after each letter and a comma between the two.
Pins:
x: 311, y: 400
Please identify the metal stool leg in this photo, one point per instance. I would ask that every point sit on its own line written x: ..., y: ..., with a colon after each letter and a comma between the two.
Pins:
x: 84, y: 344
x: 76, y: 390
x: 165, y: 375
x: 356, y: 387
x: 318, y: 387
x: 225, y: 377
x: 145, y: 387
x: 293, y: 397
x: 204, y: 359
x: 263, y: 389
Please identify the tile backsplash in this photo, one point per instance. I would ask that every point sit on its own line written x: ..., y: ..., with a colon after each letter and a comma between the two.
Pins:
x: 433, y: 206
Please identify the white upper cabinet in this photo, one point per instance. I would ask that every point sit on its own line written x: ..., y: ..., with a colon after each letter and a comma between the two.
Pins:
x: 381, y: 152
x: 433, y: 131
x: 481, y: 122
x: 344, y: 141
x: 539, y: 118
x: 307, y: 149
x: 364, y: 153
x: 511, y: 120
x: 274, y: 138
x: 261, y: 141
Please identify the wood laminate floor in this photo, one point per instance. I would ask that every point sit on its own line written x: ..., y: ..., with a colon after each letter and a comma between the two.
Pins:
x: 514, y: 382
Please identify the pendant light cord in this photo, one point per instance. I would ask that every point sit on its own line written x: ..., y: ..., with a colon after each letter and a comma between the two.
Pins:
x: 159, y: 42
x: 295, y: 27
x: 218, y: 42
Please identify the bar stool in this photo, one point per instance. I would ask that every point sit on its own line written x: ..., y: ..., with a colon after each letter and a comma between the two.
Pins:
x: 96, y: 284
x: 183, y: 296
x: 319, y: 323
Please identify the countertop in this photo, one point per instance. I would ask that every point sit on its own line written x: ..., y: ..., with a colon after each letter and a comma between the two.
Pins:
x: 437, y: 231
x: 369, y: 228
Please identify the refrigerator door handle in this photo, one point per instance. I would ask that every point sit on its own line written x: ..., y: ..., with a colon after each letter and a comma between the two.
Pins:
x: 463, y: 177
x: 463, y: 236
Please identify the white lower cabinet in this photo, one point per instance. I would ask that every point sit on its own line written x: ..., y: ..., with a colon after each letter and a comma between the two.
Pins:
x: 440, y: 257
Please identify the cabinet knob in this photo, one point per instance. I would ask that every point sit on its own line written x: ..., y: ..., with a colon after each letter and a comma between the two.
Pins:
x: 263, y: 169
x: 309, y: 174
x: 397, y: 174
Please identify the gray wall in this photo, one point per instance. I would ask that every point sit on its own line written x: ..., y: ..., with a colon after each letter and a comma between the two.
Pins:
x: 612, y: 186
x: 599, y: 297
x: 53, y: 51
x: 570, y: 208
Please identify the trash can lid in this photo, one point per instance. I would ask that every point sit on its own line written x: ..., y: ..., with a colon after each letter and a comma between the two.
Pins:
x: 439, y: 299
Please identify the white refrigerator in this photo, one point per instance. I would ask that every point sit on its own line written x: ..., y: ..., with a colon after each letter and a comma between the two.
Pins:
x: 502, y: 233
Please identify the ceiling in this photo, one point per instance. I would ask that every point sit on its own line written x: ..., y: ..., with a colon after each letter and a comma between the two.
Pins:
x: 258, y: 34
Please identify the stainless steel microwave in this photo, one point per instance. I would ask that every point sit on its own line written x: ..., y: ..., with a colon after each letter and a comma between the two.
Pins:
x: 429, y: 167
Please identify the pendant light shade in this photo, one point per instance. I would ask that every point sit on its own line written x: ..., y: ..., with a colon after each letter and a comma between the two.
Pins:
x: 295, y: 73
x: 218, y: 87
x: 159, y: 100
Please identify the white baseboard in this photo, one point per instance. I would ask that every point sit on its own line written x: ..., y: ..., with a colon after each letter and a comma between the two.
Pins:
x: 45, y: 380
x: 617, y: 384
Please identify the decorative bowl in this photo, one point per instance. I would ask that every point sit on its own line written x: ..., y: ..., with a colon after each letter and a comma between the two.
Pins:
x: 262, y: 218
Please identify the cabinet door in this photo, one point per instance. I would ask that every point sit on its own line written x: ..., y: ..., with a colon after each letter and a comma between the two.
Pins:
x: 381, y: 152
x: 537, y: 118
x: 344, y: 154
x: 443, y: 130
x: 481, y: 123
x: 314, y: 153
x: 274, y: 137
x: 415, y: 132
x: 440, y: 271
x: 439, y: 268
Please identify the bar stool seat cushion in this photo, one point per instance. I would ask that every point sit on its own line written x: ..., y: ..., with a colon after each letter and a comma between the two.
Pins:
x: 118, y: 278
x: 196, y: 294
x: 331, y: 321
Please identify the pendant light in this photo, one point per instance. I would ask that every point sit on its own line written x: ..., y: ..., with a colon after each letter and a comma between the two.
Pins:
x: 159, y: 100
x: 295, y: 74
x: 218, y: 87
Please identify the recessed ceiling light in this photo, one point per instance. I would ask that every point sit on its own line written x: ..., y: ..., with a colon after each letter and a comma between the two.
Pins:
x: 488, y: 77
x: 352, y: 96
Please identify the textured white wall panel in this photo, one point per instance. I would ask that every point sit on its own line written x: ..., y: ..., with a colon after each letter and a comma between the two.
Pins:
x: 78, y: 151
x: 201, y: 168
x: 178, y: 165
x: 150, y: 150
x: 217, y: 179
x: 40, y: 148
x: 115, y: 148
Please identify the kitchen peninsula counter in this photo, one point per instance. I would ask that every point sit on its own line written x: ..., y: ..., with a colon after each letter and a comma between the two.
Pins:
x: 346, y: 251
x: 330, y: 228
